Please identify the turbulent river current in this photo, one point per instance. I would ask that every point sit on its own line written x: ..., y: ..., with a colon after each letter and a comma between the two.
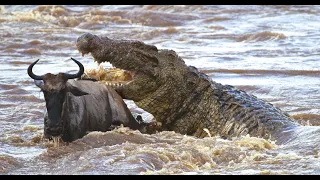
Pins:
x: 271, y: 52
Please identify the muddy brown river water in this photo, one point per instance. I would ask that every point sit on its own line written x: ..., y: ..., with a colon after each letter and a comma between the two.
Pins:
x: 271, y: 52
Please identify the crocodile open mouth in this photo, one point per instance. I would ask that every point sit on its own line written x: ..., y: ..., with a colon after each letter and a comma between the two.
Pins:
x: 114, y: 77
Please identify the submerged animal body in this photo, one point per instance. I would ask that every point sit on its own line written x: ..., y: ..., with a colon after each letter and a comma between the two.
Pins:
x: 183, y: 99
x: 75, y: 107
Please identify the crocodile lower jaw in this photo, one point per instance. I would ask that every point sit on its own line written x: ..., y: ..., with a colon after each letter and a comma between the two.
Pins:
x: 114, y: 77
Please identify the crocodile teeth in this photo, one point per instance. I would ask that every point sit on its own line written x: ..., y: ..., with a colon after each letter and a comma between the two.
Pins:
x: 114, y: 84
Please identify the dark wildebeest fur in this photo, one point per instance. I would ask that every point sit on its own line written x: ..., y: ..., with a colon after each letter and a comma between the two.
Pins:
x: 75, y: 107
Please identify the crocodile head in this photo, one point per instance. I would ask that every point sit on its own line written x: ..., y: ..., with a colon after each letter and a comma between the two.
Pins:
x: 161, y: 81
x: 130, y: 56
x: 116, y: 52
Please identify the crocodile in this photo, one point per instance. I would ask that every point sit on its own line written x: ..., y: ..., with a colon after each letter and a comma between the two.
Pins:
x: 182, y: 98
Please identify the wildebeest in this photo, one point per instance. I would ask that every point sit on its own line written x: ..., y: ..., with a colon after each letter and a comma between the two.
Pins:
x: 75, y: 107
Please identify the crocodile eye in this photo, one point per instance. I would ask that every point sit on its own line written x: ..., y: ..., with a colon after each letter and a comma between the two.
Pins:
x: 88, y: 36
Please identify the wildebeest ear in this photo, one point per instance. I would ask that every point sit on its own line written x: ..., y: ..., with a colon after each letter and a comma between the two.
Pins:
x: 39, y: 83
x: 75, y: 91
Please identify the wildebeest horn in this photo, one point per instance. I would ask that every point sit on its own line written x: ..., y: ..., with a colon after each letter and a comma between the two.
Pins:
x: 30, y: 73
x: 80, y: 72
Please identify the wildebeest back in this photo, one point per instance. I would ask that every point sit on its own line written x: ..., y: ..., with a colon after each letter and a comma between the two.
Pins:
x: 95, y: 111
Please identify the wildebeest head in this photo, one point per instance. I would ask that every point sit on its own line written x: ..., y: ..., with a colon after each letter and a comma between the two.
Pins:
x: 55, y: 88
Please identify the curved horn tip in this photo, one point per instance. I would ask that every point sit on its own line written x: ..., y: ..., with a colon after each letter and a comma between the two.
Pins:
x: 35, y: 62
x: 80, y: 72
x: 76, y: 61
x: 31, y: 74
